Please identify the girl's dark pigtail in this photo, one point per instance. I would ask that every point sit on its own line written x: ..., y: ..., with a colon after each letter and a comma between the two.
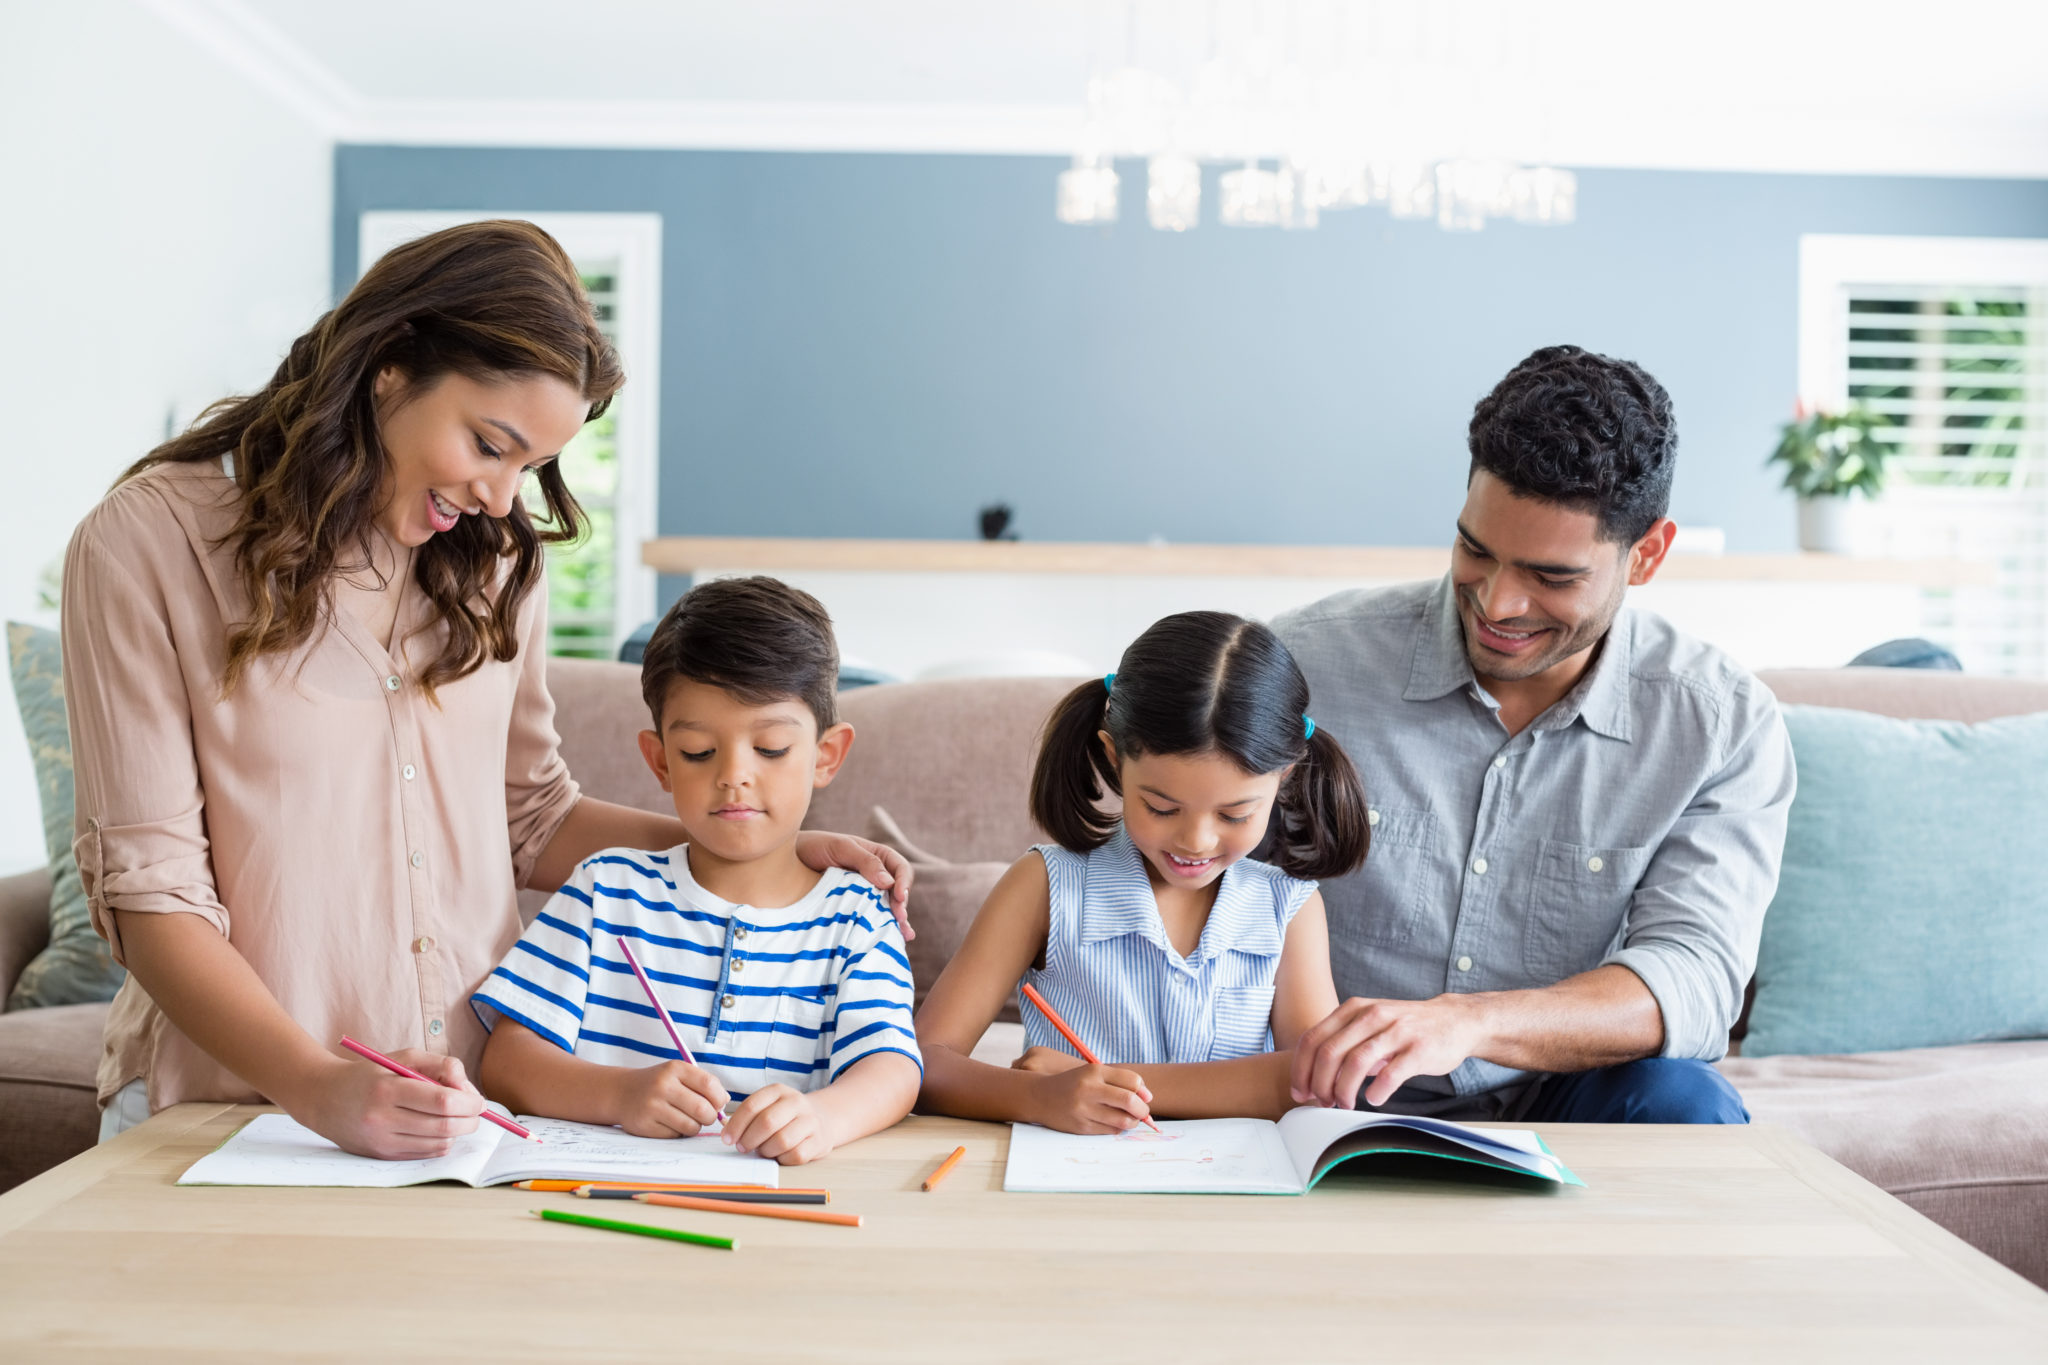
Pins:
x: 1323, y: 828
x: 1073, y: 768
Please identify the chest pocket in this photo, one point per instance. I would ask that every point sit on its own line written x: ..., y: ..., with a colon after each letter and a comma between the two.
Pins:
x: 803, y: 1028
x: 1579, y: 908
x: 1244, y: 1018
x: 1396, y: 876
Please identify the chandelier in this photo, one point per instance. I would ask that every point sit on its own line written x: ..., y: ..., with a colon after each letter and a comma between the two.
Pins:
x: 1313, y: 107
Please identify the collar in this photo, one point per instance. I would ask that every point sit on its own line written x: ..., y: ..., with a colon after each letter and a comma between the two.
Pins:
x: 1118, y: 901
x: 1602, y: 699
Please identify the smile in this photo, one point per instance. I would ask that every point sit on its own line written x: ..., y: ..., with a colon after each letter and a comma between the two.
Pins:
x: 1500, y: 640
x: 441, y: 513
x: 1189, y: 867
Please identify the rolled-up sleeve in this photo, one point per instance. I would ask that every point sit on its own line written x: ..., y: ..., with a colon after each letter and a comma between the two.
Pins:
x: 140, y: 831
x: 1697, y: 915
x: 538, y: 789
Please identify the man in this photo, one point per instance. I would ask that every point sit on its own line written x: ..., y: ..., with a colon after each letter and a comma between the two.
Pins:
x: 1577, y: 812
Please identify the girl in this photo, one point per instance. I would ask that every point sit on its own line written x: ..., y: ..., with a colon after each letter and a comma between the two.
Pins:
x: 1155, y: 935
x: 309, y: 710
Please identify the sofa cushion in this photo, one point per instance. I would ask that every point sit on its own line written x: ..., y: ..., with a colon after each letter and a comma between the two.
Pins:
x: 1959, y: 1133
x: 1905, y: 915
x: 49, y: 1110
x: 944, y: 899
x: 75, y: 967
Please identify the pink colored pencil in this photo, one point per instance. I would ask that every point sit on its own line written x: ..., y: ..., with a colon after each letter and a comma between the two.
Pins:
x: 1052, y: 1017
x: 660, y: 1010
x: 371, y: 1054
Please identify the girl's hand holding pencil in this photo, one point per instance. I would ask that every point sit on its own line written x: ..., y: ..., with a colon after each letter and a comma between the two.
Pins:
x: 1092, y: 1098
x: 668, y: 1099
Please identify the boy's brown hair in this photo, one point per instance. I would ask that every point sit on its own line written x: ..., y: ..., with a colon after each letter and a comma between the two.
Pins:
x: 757, y: 638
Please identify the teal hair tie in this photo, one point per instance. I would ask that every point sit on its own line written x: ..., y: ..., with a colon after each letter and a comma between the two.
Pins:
x: 1109, y: 682
x: 1309, y: 727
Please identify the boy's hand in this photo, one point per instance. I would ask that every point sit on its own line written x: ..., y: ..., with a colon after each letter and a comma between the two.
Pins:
x: 1093, y: 1099
x: 671, y: 1099
x: 780, y: 1123
x: 1046, y: 1061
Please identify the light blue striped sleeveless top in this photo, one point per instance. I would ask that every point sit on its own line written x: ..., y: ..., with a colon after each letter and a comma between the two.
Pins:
x: 1116, y: 980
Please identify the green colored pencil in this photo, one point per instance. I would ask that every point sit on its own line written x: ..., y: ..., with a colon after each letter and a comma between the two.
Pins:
x: 643, y: 1229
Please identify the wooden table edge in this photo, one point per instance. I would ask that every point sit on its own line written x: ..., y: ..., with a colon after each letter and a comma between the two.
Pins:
x: 39, y: 1194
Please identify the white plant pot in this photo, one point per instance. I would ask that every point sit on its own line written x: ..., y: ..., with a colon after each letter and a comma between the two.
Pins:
x: 1828, y: 525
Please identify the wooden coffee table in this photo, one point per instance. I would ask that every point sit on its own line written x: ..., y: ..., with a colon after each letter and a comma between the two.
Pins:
x: 1721, y: 1244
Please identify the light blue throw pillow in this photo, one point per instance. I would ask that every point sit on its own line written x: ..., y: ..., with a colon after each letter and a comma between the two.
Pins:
x: 76, y: 968
x: 1913, y: 909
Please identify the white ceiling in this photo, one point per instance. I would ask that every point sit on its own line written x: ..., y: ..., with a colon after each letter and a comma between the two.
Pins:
x: 1900, y: 86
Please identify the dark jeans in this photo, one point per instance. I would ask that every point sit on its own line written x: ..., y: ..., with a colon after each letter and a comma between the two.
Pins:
x: 1654, y: 1090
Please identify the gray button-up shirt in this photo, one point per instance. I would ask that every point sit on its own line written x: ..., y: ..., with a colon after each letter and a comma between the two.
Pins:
x: 1640, y: 820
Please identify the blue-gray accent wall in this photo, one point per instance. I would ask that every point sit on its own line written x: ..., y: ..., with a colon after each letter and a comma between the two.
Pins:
x: 878, y: 345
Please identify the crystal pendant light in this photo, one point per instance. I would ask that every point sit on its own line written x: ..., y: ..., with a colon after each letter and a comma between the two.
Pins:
x: 1545, y: 195
x: 1294, y: 203
x: 1469, y: 190
x: 1248, y: 197
x: 1173, y: 192
x: 1411, y: 191
x: 1088, y: 191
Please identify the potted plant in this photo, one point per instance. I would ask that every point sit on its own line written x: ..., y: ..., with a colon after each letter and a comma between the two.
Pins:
x: 1829, y: 457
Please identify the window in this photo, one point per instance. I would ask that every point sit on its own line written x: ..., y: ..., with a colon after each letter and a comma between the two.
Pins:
x: 1946, y: 340
x: 598, y: 590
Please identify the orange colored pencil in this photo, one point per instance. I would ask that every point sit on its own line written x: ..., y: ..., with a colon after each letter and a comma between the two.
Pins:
x: 931, y: 1182
x: 1052, y: 1017
x: 685, y: 1201
x: 567, y: 1186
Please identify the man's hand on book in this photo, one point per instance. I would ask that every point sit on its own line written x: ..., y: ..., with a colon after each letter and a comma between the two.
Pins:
x: 1385, y: 1042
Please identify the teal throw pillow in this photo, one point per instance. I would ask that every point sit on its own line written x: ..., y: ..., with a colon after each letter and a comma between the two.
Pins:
x: 76, y: 968
x: 1910, y: 912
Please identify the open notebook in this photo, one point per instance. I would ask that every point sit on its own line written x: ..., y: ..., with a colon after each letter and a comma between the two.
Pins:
x: 1258, y: 1156
x: 273, y: 1149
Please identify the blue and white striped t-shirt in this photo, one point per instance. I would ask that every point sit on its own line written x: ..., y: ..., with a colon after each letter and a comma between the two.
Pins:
x: 793, y: 995
x: 1114, y: 976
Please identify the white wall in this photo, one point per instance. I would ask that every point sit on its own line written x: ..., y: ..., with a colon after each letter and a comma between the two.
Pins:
x: 165, y: 232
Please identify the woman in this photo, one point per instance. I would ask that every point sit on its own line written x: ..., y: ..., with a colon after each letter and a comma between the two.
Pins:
x: 304, y: 668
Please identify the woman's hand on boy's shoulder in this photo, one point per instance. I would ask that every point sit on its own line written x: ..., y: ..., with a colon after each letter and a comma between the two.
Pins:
x: 886, y: 870
x: 781, y: 1124
x: 669, y: 1099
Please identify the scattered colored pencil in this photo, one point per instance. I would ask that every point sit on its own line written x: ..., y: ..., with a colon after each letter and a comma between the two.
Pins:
x: 686, y: 1186
x: 371, y: 1054
x: 931, y: 1182
x: 733, y: 1196
x: 1052, y: 1017
x: 661, y: 1012
x: 584, y: 1220
x: 686, y: 1201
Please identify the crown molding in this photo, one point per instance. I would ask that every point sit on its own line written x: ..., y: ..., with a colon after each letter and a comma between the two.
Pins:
x: 256, y: 50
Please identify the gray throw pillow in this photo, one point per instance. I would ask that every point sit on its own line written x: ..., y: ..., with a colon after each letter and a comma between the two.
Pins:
x: 76, y: 968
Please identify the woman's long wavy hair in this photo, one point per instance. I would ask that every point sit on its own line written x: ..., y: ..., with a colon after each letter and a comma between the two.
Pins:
x: 488, y: 301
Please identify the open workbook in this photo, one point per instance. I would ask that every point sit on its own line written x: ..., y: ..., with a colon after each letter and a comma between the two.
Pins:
x: 273, y: 1149
x: 1258, y: 1156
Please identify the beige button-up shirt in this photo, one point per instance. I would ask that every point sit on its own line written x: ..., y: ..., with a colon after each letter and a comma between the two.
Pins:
x: 360, y: 845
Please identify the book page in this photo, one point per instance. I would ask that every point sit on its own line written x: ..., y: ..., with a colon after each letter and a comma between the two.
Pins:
x: 1186, y: 1156
x: 1309, y: 1132
x: 275, y: 1149
x: 584, y: 1151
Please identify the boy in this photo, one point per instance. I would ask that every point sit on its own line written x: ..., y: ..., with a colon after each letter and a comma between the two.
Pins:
x: 792, y: 989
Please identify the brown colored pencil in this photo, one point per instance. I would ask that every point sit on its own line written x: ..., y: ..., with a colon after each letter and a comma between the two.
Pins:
x: 931, y: 1182
x: 684, y: 1201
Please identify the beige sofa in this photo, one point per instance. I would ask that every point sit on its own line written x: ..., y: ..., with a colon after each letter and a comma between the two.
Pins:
x: 1959, y: 1133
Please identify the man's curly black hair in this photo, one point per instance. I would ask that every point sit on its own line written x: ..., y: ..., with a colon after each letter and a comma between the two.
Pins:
x: 1585, y: 430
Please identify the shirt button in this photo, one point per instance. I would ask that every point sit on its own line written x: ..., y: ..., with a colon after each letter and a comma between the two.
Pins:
x: 407, y: 770
x: 1594, y: 864
x: 725, y: 1001
x: 433, y: 1028
x: 1464, y: 964
x: 740, y: 932
x: 1500, y: 761
x: 1479, y: 866
x: 1372, y: 817
x: 391, y: 683
x: 419, y: 859
x: 738, y: 963
x: 423, y: 944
